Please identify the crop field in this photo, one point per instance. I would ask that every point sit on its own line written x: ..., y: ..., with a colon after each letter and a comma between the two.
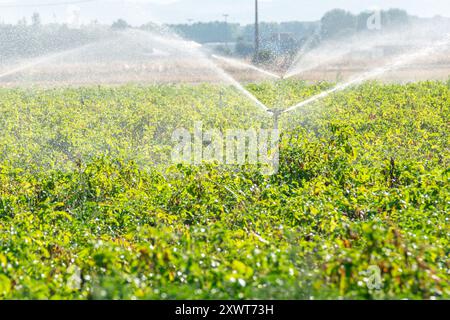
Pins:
x: 91, y: 206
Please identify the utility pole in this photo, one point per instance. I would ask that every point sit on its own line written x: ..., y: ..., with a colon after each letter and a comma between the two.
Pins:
x: 256, y: 58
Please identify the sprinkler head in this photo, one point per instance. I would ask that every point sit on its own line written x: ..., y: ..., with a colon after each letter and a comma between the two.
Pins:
x: 275, y: 112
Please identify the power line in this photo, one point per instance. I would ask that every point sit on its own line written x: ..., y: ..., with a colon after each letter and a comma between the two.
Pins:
x: 47, y: 4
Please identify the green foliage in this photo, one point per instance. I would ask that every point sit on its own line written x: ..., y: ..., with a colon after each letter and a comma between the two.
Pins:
x: 264, y: 57
x: 363, y: 181
x: 204, y: 32
x: 120, y: 24
x: 244, y: 48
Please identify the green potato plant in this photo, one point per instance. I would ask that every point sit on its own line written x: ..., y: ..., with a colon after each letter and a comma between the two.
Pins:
x: 91, y: 206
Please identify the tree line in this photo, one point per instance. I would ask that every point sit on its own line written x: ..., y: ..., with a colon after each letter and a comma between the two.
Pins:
x: 31, y: 39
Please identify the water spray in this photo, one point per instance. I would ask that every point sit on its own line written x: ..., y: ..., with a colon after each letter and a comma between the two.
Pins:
x: 245, y: 65
x: 41, y: 60
x: 405, y: 59
x: 276, y: 113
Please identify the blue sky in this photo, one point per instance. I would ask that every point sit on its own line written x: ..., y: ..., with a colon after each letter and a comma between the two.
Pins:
x: 141, y: 11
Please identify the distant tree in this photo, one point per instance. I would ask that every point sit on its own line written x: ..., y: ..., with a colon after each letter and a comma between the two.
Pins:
x: 362, y: 19
x: 244, y: 48
x: 219, y: 31
x: 35, y: 19
x: 297, y: 28
x: 120, y: 25
x: 208, y: 32
x: 22, y: 22
x: 337, y: 22
x: 264, y: 57
x: 22, y: 40
x: 394, y: 17
x: 224, y: 50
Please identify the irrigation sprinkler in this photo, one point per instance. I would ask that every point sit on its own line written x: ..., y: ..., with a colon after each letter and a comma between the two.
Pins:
x: 276, y: 113
x: 278, y: 110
